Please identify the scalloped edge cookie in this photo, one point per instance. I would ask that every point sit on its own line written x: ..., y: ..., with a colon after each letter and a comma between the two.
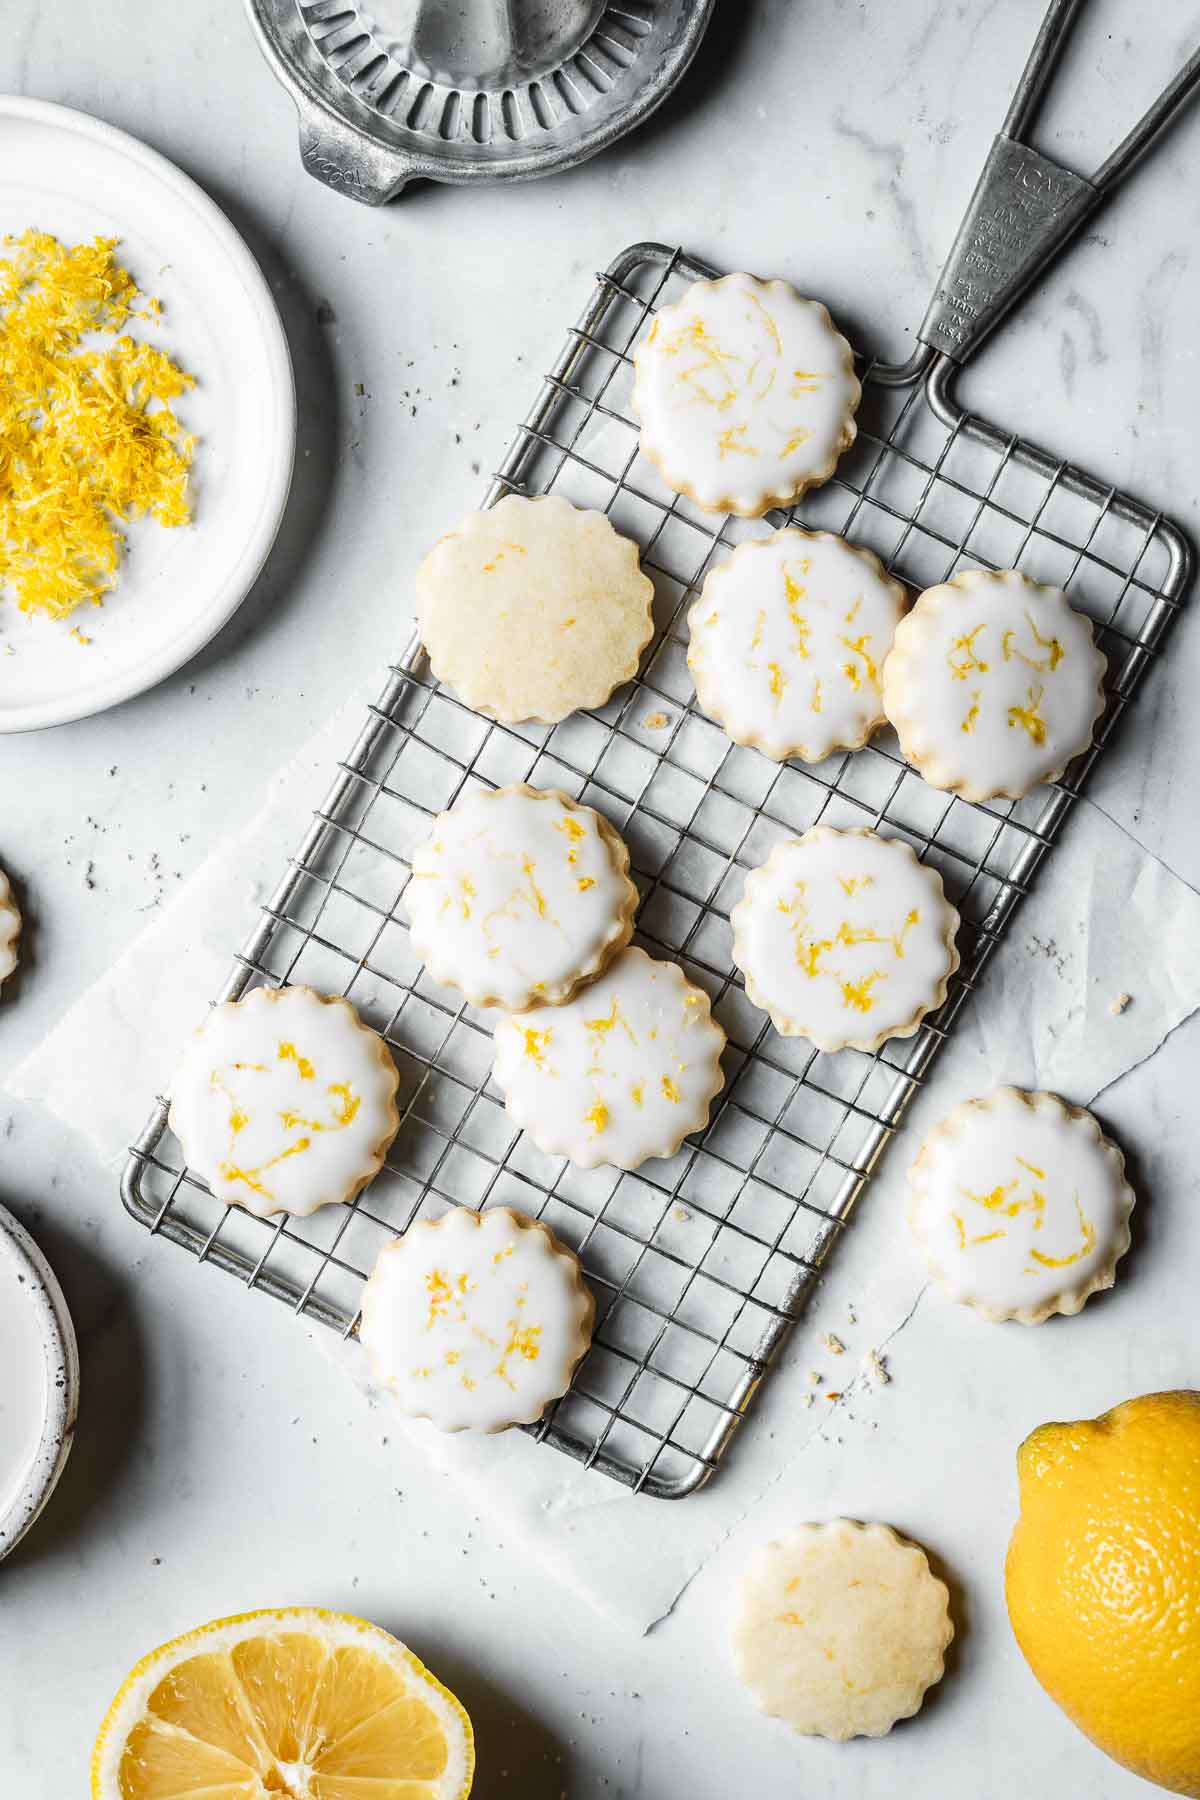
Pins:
x: 618, y: 936
x: 770, y: 497
x: 902, y: 681
x: 515, y: 674
x: 780, y: 1020
x: 865, y: 1673
x: 1070, y: 1299
x: 10, y: 928
x: 710, y: 702
x: 534, y: 1237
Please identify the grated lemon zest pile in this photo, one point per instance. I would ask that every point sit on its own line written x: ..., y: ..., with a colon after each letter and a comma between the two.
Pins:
x: 88, y: 438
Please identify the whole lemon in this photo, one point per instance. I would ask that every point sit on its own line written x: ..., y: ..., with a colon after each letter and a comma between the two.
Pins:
x: 1103, y: 1580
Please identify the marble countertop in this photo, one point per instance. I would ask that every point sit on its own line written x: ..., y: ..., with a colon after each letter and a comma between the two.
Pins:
x: 220, y: 1463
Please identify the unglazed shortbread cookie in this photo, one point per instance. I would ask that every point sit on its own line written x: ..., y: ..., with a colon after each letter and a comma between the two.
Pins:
x: 476, y: 1321
x: 284, y: 1102
x: 993, y: 684
x: 842, y: 1629
x: 519, y: 896
x: 10, y: 928
x: 787, y: 640
x: 625, y: 1070
x: 534, y: 609
x: 845, y: 938
x: 1020, y: 1205
x: 746, y: 394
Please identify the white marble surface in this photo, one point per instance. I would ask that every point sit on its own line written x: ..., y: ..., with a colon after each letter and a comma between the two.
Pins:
x: 220, y: 1463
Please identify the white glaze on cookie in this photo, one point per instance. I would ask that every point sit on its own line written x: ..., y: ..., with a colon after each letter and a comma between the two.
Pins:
x: 533, y: 609
x: 842, y: 1628
x: 476, y: 1321
x: 746, y: 394
x: 845, y: 938
x: 625, y: 1070
x: 518, y: 896
x: 787, y: 641
x: 284, y: 1102
x: 10, y: 928
x: 1020, y: 1205
x: 993, y: 684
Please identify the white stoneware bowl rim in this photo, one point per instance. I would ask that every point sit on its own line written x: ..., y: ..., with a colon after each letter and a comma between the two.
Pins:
x: 60, y: 1361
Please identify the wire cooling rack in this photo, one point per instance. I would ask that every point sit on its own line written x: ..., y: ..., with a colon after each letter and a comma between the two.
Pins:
x: 699, y: 1263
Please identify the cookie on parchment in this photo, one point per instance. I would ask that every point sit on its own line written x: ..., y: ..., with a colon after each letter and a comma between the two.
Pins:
x: 284, y: 1101
x: 476, y: 1321
x: 1020, y: 1205
x: 534, y: 609
x: 842, y: 1629
x: 787, y: 640
x: 845, y: 938
x: 625, y: 1070
x: 994, y: 684
x: 519, y: 896
x: 10, y: 928
x: 746, y: 394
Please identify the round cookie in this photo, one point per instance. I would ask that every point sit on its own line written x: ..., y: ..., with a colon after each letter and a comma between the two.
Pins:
x: 534, y: 609
x: 842, y: 1628
x: 518, y: 896
x: 994, y: 684
x: 845, y: 938
x: 624, y: 1071
x: 746, y: 394
x: 787, y: 640
x: 284, y: 1102
x: 476, y: 1321
x: 10, y: 928
x: 1020, y: 1205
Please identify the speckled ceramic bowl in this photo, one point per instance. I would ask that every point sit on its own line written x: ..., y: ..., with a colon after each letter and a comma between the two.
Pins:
x: 39, y: 1381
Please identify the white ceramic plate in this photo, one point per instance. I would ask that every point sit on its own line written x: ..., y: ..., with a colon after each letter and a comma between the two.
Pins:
x: 39, y: 1381
x: 71, y: 175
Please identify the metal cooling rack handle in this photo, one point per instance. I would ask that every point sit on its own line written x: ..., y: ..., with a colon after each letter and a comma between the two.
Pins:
x: 1026, y: 206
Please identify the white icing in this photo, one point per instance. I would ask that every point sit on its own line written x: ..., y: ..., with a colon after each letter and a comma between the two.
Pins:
x: 476, y: 1320
x: 10, y: 928
x: 534, y: 608
x: 746, y: 394
x: 1018, y: 1203
x: 516, y: 895
x: 284, y: 1102
x: 625, y: 1070
x: 787, y: 641
x: 844, y: 938
x: 993, y: 684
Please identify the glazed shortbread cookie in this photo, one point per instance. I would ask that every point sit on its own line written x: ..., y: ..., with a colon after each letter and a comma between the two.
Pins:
x: 746, y: 394
x: 1020, y: 1205
x: 519, y: 896
x: 476, y: 1321
x: 842, y: 1629
x: 993, y: 684
x: 284, y: 1102
x: 10, y: 928
x: 625, y: 1070
x: 534, y: 609
x: 787, y: 640
x: 845, y: 938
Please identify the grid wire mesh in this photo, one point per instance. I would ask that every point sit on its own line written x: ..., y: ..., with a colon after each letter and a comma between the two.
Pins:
x: 701, y: 1262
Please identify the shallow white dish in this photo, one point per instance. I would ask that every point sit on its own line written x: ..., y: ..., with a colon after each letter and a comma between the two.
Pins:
x: 66, y: 173
x: 39, y: 1381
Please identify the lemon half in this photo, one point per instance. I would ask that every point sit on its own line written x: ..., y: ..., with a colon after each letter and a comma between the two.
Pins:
x: 289, y: 1704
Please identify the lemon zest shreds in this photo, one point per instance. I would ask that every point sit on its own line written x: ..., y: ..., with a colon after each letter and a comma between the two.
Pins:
x: 88, y: 436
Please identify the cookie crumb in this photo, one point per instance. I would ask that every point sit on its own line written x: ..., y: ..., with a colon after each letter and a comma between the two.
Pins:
x: 656, y: 721
x: 1119, y: 1004
x: 815, y: 1378
x: 874, y: 1367
x: 807, y: 1399
x: 833, y: 1344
